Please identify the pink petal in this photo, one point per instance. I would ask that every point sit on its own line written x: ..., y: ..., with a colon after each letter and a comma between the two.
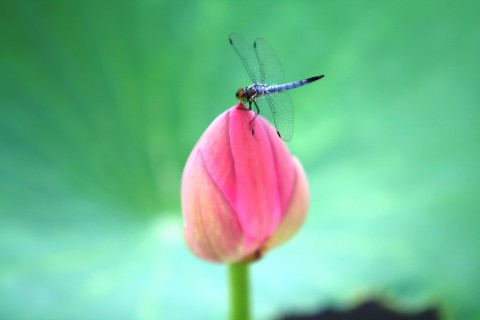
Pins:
x: 211, y: 227
x: 264, y: 176
x: 295, y: 213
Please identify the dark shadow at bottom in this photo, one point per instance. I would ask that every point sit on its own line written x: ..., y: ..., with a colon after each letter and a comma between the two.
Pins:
x: 370, y: 310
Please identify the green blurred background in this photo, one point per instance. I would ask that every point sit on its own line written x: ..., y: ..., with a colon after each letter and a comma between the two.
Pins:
x: 101, y: 103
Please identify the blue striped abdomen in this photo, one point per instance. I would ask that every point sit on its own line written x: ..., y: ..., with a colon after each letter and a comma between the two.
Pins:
x: 291, y: 85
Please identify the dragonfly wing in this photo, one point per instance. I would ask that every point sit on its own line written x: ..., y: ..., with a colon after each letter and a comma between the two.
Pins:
x: 247, y: 56
x: 281, y: 108
x: 280, y: 116
x: 265, y: 110
x: 271, y: 69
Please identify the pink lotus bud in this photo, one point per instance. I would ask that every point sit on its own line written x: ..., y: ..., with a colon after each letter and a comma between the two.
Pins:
x: 242, y: 194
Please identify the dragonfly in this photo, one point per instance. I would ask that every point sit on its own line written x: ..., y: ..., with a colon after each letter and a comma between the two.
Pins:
x: 267, y: 96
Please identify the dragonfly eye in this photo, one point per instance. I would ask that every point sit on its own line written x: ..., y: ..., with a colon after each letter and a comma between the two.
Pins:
x: 240, y: 95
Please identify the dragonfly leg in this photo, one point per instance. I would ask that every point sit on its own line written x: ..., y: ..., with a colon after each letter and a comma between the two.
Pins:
x: 256, y: 111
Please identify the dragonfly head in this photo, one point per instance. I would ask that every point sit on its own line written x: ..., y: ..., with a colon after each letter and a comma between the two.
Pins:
x: 241, y: 95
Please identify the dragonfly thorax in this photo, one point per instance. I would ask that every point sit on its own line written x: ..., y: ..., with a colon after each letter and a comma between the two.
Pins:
x: 251, y: 92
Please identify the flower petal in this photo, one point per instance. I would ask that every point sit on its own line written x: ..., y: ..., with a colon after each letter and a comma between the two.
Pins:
x: 212, y: 230
x: 295, y: 213
x: 257, y: 202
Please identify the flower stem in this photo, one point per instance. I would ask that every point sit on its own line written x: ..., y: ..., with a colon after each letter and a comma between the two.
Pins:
x: 239, y: 291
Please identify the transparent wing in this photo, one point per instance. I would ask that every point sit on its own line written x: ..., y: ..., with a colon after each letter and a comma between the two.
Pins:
x: 271, y: 69
x: 278, y: 110
x: 247, y: 56
x: 282, y: 110
x: 265, y: 110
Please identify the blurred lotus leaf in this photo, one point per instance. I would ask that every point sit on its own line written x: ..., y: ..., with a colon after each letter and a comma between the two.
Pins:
x: 101, y: 103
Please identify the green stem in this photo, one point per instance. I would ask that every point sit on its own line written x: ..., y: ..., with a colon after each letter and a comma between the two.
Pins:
x: 239, y: 291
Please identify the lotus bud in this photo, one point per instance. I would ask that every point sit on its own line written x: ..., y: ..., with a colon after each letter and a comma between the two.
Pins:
x: 243, y: 193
